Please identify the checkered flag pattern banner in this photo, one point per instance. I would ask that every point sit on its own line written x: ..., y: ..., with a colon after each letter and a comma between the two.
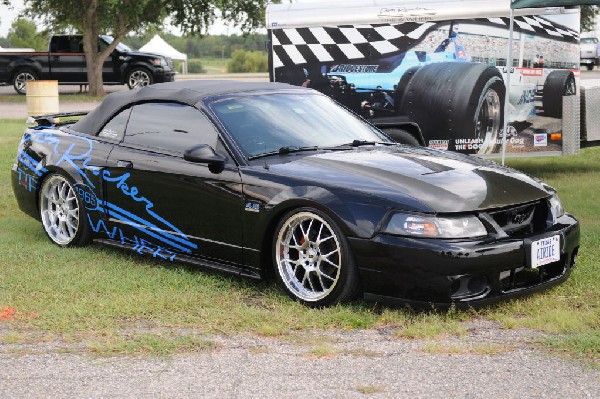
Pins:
x: 341, y: 44
x: 537, y: 26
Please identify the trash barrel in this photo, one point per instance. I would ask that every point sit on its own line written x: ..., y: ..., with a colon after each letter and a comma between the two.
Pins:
x: 42, y: 97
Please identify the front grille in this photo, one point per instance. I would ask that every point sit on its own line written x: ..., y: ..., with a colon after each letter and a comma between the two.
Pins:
x: 523, y: 277
x: 524, y: 219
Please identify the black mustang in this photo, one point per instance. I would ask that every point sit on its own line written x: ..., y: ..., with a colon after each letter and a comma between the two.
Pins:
x: 252, y: 177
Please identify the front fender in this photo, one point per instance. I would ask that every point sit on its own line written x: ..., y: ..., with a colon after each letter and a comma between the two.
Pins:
x: 126, y: 67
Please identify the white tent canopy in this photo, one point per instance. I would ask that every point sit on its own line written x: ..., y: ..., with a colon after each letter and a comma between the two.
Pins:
x: 157, y: 45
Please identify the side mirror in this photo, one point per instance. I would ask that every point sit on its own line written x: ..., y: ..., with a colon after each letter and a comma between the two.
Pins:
x: 204, y: 153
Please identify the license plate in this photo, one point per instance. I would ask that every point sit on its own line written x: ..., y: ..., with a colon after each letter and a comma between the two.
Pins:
x: 544, y: 251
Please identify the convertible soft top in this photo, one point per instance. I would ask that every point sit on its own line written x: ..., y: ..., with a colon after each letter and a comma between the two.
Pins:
x: 184, y: 92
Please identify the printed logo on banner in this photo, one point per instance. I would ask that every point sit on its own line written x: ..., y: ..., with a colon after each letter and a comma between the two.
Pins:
x: 439, y: 144
x: 540, y: 140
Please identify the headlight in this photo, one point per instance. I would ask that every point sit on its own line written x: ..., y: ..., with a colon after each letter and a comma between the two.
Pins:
x: 556, y: 208
x: 160, y: 61
x: 435, y: 227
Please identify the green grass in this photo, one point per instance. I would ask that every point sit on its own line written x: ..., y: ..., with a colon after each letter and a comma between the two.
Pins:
x: 213, y: 65
x: 114, y: 302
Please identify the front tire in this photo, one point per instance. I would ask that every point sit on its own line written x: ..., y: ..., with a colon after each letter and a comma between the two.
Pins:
x: 558, y: 84
x: 139, y: 77
x: 312, y: 259
x: 21, y: 77
x: 62, y: 213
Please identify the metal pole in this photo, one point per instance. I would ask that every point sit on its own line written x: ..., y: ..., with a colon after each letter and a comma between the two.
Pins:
x: 509, y: 66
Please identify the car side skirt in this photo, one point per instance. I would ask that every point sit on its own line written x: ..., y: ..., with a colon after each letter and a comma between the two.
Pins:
x: 204, y: 263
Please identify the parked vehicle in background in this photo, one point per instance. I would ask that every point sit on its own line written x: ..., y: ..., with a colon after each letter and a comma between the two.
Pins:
x: 589, y: 51
x: 65, y: 62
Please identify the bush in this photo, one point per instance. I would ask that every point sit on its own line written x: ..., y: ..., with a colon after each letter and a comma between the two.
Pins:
x: 248, y: 61
x: 195, y: 67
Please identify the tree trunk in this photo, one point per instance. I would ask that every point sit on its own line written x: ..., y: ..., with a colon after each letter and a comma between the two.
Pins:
x: 94, y: 59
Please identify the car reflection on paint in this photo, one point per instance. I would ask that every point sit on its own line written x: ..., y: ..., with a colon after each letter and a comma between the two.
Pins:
x: 260, y: 178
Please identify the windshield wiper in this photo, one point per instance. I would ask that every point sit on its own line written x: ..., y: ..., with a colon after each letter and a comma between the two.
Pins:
x: 360, y: 143
x: 284, y: 151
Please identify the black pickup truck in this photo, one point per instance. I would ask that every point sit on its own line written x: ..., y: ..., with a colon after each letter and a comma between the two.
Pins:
x: 65, y: 62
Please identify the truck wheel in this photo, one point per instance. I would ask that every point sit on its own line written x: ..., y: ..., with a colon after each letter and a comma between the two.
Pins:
x: 139, y: 77
x: 21, y: 77
x: 589, y: 66
x: 457, y: 101
x: 558, y: 84
x: 402, y: 136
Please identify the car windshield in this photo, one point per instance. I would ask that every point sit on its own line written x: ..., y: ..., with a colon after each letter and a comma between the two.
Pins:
x: 268, y: 123
x: 588, y: 40
x: 121, y: 46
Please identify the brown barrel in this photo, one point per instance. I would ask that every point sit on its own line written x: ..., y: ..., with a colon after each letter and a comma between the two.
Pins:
x: 42, y: 97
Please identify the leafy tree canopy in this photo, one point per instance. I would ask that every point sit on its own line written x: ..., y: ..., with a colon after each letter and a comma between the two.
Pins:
x: 588, y: 18
x: 23, y: 34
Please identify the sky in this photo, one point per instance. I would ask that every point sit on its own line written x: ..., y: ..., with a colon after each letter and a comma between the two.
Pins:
x: 7, y: 15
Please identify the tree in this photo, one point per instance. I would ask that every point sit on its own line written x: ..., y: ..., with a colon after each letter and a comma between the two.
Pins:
x: 118, y: 17
x: 588, y: 18
x: 23, y: 33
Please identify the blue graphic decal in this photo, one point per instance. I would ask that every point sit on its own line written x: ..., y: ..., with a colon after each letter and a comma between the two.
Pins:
x: 31, y: 163
x: 79, y: 153
x: 92, y: 203
x: 134, y: 243
x: 26, y: 180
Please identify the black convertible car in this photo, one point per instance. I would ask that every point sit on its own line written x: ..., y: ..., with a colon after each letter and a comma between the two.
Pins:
x: 256, y: 177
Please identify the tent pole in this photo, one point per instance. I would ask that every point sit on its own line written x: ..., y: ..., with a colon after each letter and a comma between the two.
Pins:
x: 509, y: 66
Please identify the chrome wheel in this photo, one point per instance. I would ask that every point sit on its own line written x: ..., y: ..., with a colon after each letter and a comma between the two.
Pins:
x: 59, y: 210
x: 21, y: 80
x: 308, y: 256
x: 138, y: 78
x: 488, y: 122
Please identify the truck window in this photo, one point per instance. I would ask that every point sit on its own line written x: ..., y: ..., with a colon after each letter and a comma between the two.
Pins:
x: 66, y: 44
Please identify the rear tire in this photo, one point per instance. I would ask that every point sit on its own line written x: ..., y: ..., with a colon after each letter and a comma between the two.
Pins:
x: 453, y: 100
x: 21, y: 77
x: 62, y: 212
x: 312, y: 259
x: 558, y: 84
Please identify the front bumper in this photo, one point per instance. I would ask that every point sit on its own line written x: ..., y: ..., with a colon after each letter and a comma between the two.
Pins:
x: 430, y: 272
x: 163, y: 75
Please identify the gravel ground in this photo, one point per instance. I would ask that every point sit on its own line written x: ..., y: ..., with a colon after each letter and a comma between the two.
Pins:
x: 331, y: 364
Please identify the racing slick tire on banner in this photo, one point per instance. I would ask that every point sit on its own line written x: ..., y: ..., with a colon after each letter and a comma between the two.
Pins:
x: 459, y: 102
x: 558, y: 84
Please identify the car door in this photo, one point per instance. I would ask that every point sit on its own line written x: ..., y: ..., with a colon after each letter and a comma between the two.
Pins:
x: 67, y: 59
x: 165, y: 204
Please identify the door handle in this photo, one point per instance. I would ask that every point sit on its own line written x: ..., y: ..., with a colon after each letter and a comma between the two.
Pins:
x: 124, y: 164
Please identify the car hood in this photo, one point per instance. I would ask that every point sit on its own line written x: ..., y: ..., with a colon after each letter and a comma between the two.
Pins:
x: 145, y: 54
x: 418, y: 178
